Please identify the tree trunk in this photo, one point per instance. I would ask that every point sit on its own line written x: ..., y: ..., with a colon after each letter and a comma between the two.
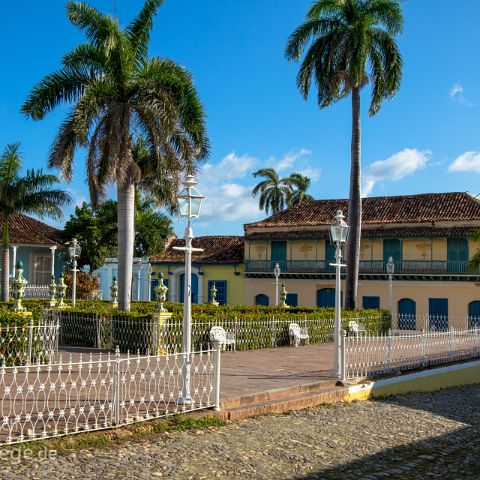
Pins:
x: 5, y: 263
x: 126, y: 240
x: 354, y: 207
x: 5, y: 274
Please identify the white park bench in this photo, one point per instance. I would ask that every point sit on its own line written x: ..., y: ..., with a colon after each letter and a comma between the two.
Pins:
x: 219, y: 335
x: 298, y: 334
x: 354, y: 329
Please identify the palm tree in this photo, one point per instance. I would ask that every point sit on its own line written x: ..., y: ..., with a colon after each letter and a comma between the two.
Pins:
x: 31, y: 194
x: 299, y: 184
x: 274, y: 192
x: 350, y: 44
x: 118, y: 92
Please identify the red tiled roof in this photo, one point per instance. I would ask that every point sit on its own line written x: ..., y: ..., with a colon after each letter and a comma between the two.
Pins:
x: 217, y: 249
x: 413, y: 232
x: 422, y: 208
x: 26, y: 230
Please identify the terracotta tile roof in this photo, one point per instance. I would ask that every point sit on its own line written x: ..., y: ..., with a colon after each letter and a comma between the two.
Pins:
x: 414, y: 232
x: 26, y: 230
x: 427, y: 207
x: 217, y: 249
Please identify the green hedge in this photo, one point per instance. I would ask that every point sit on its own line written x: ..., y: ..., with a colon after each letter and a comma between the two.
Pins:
x: 96, y: 324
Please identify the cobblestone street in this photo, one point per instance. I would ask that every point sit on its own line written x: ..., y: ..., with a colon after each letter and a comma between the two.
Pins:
x: 409, y: 437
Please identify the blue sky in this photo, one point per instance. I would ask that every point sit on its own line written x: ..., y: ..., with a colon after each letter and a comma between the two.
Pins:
x: 426, y: 139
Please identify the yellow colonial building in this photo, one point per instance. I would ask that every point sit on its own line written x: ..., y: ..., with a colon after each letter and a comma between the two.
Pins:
x: 428, y: 236
x: 221, y: 262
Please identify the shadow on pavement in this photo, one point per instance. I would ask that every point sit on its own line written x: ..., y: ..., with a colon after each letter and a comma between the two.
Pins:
x: 455, y: 455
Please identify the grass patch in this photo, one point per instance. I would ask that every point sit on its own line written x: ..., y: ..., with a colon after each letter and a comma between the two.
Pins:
x: 106, y: 438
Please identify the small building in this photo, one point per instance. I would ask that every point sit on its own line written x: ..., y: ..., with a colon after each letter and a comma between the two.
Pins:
x: 429, y: 237
x: 221, y: 262
x: 40, y: 249
x: 141, y: 278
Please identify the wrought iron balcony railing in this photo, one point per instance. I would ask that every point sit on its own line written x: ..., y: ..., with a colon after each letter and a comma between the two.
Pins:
x: 419, y: 267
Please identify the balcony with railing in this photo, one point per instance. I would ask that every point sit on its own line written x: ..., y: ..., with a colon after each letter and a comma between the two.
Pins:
x: 405, y: 267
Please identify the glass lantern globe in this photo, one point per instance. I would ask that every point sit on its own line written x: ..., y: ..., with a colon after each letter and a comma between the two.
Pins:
x: 74, y: 249
x: 390, y: 266
x: 339, y: 229
x: 190, y: 199
x: 276, y: 270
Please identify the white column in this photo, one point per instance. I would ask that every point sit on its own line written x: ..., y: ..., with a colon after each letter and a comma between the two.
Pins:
x: 52, y: 249
x: 14, y: 259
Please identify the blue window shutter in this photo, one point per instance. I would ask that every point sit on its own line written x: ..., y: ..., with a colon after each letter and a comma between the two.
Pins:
x: 371, y: 302
x: 262, y: 299
x: 292, y: 299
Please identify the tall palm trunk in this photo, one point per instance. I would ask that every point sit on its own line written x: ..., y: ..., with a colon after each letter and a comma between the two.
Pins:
x: 126, y: 239
x: 5, y: 263
x: 354, y: 207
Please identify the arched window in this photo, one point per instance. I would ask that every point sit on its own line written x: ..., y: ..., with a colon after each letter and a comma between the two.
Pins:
x: 474, y: 314
x: 326, y: 297
x: 407, y: 313
x: 262, y: 299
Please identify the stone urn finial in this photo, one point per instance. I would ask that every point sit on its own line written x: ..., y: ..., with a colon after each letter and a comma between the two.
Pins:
x: 52, y: 290
x: 283, y: 297
x: 161, y: 293
x: 61, y: 291
x: 114, y: 292
x: 213, y: 295
x: 19, y: 284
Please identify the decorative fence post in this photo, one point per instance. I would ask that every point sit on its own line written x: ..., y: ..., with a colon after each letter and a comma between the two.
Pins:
x: 116, y: 387
x: 99, y: 331
x: 216, y: 382
x: 422, y: 348
x: 389, y: 350
x: 30, y: 341
x: 343, y: 366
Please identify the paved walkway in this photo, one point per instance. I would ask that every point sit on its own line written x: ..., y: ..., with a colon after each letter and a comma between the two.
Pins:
x: 417, y: 436
x: 252, y: 371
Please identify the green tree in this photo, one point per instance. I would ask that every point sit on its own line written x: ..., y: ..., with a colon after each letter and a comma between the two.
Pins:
x: 299, y: 184
x: 116, y: 91
x: 152, y: 228
x: 274, y: 192
x: 97, y: 232
x: 33, y: 193
x: 349, y: 44
x: 95, y: 237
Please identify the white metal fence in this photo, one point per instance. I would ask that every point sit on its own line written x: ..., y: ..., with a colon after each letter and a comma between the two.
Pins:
x: 27, y: 344
x: 36, y: 291
x: 370, y: 356
x: 432, y: 322
x: 85, y: 394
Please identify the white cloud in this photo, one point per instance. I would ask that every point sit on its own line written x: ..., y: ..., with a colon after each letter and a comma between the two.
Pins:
x: 457, y: 94
x: 312, y: 173
x: 288, y: 160
x: 227, y: 198
x: 228, y: 184
x: 457, y: 89
x: 394, y: 168
x: 467, y: 162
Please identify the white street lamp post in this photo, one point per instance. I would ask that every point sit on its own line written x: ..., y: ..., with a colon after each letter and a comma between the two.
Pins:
x: 189, y: 205
x: 149, y: 272
x: 74, y: 251
x: 276, y: 272
x: 390, y: 271
x: 139, y: 276
x: 338, y: 236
